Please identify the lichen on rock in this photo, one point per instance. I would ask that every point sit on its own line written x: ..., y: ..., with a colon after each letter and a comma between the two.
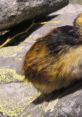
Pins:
x: 9, y: 75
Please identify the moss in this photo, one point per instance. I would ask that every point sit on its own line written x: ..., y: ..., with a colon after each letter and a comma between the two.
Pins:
x: 13, y: 112
x: 9, y: 75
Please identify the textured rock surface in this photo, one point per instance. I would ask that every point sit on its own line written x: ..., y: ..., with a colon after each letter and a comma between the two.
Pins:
x: 13, y: 12
x: 19, y: 98
x: 71, y: 105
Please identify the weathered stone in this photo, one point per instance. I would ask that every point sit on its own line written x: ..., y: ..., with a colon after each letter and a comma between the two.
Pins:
x: 13, y: 12
x: 15, y: 97
x: 70, y: 102
x: 19, y: 98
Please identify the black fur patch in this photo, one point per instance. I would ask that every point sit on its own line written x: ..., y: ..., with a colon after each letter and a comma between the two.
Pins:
x: 65, y: 37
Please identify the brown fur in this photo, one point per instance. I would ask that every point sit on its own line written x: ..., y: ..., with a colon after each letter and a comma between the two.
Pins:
x: 54, y: 61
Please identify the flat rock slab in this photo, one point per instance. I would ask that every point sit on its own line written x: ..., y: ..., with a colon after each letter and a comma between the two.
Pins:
x: 18, y: 98
x: 13, y: 12
x: 70, y: 105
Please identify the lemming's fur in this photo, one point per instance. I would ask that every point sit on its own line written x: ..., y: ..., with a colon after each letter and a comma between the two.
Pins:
x: 55, y: 61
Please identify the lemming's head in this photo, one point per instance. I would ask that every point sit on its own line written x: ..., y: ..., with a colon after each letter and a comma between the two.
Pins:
x: 78, y: 24
x: 78, y: 21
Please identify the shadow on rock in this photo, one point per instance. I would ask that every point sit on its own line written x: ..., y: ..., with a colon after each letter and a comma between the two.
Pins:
x: 59, y: 94
x: 23, y: 30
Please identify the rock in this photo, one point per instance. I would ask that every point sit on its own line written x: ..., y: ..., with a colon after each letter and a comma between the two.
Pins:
x: 13, y: 12
x: 70, y: 102
x: 71, y: 8
x: 15, y: 98
x: 19, y: 98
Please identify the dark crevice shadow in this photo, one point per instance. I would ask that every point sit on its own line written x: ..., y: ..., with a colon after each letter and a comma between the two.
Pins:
x: 21, y: 28
x: 59, y: 93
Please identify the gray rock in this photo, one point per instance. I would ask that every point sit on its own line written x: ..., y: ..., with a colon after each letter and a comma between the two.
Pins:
x: 70, y: 105
x: 19, y: 98
x: 13, y: 12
